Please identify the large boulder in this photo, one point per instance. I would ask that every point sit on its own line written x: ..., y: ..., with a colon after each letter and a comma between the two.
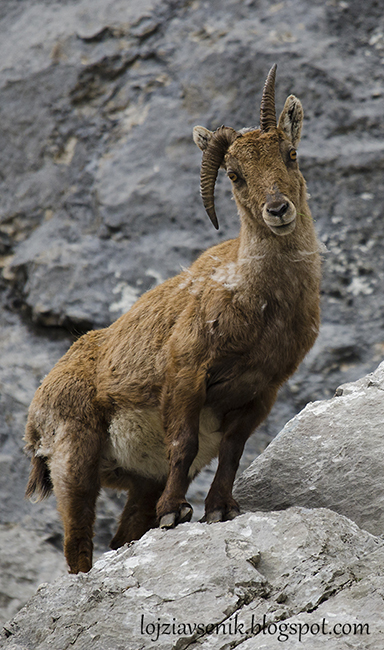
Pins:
x: 297, y: 576
x: 330, y: 455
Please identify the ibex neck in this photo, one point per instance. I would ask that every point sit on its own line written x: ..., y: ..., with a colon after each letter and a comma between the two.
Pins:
x: 256, y: 240
x: 264, y: 256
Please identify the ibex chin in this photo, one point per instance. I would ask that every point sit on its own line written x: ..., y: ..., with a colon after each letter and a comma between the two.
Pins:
x: 195, y: 365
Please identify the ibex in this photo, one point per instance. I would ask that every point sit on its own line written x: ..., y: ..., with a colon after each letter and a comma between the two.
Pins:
x: 195, y: 365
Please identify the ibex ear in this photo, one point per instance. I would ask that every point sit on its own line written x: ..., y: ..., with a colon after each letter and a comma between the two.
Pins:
x: 201, y: 137
x: 291, y: 119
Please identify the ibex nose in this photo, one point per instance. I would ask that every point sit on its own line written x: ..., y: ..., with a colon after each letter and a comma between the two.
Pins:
x: 277, y: 208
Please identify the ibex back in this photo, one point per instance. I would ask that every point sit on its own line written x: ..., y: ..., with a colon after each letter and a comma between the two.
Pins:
x: 194, y: 367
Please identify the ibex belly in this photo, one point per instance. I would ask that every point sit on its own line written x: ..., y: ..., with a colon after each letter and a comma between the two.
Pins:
x: 137, y: 443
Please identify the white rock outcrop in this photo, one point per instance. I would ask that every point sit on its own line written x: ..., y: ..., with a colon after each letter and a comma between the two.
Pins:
x: 330, y: 455
x: 299, y: 577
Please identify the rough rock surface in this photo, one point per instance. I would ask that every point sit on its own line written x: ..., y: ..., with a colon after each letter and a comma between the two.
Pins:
x: 25, y: 565
x: 330, y: 455
x: 99, y: 184
x: 213, y: 584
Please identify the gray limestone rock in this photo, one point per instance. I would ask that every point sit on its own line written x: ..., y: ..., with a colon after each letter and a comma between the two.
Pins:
x: 299, y: 576
x: 330, y: 455
x: 27, y: 559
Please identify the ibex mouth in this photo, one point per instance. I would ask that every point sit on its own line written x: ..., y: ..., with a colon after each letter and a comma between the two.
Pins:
x: 285, y: 228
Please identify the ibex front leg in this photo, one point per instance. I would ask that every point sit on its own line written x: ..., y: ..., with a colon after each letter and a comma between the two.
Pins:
x: 181, y: 410
x: 238, y: 426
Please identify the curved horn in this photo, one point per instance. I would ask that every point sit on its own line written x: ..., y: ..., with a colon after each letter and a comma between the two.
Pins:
x: 267, y: 109
x: 213, y: 156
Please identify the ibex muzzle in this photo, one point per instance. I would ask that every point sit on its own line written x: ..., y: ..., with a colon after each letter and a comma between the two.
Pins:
x: 279, y: 214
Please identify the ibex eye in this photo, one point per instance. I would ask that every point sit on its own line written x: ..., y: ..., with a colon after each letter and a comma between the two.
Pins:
x: 293, y: 154
x: 234, y: 177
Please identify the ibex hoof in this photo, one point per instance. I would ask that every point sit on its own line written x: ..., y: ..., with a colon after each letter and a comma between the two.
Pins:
x: 185, y: 513
x: 173, y: 518
x: 168, y: 521
x: 231, y: 514
x: 214, y: 516
x: 217, y: 515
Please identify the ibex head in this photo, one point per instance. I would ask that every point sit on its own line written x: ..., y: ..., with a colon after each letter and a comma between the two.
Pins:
x: 261, y: 163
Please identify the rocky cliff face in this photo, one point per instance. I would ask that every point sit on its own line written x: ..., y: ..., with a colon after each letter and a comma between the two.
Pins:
x: 100, y: 194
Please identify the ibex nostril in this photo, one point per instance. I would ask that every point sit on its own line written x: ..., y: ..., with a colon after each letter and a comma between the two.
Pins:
x: 277, y: 210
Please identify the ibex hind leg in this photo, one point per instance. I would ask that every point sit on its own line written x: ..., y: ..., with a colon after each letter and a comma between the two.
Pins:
x: 139, y: 514
x: 75, y: 477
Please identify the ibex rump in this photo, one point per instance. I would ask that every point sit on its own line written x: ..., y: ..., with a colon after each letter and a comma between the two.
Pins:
x: 194, y: 367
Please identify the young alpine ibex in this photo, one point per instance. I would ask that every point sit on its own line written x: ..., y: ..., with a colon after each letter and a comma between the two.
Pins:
x: 194, y: 367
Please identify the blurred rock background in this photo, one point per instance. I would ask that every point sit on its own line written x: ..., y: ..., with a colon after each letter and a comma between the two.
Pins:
x: 99, y: 194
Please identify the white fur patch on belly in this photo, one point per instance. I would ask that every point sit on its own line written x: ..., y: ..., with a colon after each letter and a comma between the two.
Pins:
x: 136, y: 443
